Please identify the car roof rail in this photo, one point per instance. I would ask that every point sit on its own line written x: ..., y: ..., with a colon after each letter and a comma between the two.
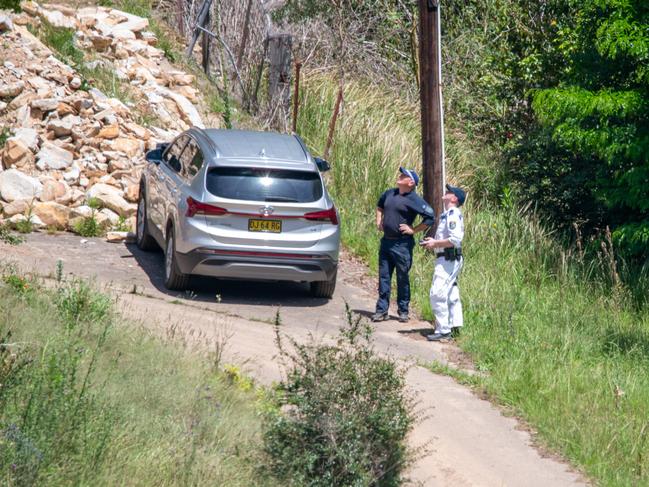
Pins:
x: 208, y: 140
x: 307, y: 156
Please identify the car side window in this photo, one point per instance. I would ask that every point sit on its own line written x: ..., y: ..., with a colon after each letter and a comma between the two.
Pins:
x: 171, y: 156
x: 191, y: 159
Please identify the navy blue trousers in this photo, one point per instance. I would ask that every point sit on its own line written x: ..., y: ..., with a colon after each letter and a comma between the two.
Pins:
x: 395, y: 254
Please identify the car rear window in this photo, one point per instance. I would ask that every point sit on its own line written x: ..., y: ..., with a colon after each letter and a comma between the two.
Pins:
x: 257, y: 184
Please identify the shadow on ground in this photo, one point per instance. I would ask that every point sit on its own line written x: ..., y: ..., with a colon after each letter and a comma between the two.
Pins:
x: 227, y: 291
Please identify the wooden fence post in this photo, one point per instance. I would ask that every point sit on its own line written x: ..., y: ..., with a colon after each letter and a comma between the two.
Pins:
x: 296, y: 95
x: 205, y: 45
x: 279, y: 76
x: 332, y: 123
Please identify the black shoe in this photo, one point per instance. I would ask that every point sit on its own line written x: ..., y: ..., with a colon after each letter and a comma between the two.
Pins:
x: 403, y: 317
x: 436, y: 337
x: 379, y: 317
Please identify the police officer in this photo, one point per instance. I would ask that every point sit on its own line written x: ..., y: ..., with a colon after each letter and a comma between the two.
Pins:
x: 447, y: 245
x: 395, y: 213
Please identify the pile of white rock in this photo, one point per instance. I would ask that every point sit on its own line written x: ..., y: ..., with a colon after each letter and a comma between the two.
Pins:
x: 67, y: 143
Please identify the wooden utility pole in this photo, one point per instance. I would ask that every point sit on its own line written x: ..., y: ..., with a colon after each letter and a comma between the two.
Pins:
x: 432, y: 121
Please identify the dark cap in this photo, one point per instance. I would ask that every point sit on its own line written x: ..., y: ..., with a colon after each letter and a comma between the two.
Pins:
x: 458, y: 192
x: 410, y: 173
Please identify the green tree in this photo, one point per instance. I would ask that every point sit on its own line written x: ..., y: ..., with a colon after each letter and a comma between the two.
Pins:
x: 598, y: 114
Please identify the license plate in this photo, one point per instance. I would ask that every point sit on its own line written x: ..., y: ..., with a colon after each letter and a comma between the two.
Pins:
x: 271, y: 226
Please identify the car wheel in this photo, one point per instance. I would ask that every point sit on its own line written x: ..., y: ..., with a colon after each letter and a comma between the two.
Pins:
x: 143, y: 239
x: 324, y: 289
x: 174, y: 279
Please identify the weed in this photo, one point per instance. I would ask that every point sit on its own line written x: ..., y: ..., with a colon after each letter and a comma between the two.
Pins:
x: 122, y: 225
x: 105, y: 79
x: 59, y: 271
x: 61, y: 40
x: 17, y: 283
x: 234, y: 375
x: 24, y: 226
x: 460, y: 376
x: 190, y: 295
x: 89, y: 226
x: 78, y: 302
x: 9, y: 238
x: 5, y: 133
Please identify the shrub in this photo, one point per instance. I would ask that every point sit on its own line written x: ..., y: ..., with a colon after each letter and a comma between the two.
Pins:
x: 341, y: 416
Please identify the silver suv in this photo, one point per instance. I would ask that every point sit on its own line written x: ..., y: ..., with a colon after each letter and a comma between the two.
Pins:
x: 239, y: 204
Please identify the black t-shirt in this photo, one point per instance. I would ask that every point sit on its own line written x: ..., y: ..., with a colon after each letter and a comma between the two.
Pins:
x: 403, y: 208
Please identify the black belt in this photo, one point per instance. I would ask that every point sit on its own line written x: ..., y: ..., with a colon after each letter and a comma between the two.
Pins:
x: 450, y: 254
x: 405, y: 237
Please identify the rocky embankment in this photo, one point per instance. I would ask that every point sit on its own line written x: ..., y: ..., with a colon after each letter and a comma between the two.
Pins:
x: 65, y: 141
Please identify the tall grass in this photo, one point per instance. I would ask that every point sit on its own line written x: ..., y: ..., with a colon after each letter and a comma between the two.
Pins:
x: 85, y: 402
x: 558, y: 333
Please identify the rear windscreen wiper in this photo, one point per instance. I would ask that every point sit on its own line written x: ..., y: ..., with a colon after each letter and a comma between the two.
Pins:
x: 282, y: 199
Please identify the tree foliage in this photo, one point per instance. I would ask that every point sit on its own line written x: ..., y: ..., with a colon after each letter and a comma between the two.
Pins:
x: 598, y: 111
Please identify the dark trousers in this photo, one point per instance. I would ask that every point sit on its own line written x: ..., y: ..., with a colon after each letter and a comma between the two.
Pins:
x: 395, y: 254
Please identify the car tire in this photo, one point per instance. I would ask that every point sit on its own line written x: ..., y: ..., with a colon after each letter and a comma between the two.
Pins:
x: 143, y: 238
x: 324, y: 289
x: 174, y: 279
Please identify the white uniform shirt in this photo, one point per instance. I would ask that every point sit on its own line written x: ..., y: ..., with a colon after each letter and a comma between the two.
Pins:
x: 451, y: 227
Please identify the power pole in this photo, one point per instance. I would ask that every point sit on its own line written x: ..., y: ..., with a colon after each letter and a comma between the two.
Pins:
x: 430, y: 91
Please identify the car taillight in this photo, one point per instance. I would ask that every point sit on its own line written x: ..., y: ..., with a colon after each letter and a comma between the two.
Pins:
x: 324, y: 215
x: 197, y: 208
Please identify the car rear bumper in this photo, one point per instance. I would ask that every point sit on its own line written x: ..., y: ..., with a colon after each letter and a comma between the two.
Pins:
x: 257, y: 265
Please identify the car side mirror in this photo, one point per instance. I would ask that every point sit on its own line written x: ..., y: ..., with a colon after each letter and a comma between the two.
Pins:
x: 323, y: 165
x: 154, y: 156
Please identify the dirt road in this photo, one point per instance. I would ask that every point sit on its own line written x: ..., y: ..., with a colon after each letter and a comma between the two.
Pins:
x: 470, y: 443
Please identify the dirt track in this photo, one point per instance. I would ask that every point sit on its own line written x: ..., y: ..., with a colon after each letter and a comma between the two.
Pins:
x: 470, y: 443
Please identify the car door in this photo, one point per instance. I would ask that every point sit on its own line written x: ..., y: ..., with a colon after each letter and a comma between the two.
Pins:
x: 165, y: 182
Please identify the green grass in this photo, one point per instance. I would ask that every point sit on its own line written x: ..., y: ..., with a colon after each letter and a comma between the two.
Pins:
x: 562, y: 345
x: 87, y: 401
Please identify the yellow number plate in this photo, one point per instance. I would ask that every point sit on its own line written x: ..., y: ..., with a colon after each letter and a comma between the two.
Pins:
x: 272, y: 226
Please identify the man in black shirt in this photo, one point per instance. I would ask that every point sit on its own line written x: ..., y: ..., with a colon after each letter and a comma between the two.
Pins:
x: 395, y: 213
